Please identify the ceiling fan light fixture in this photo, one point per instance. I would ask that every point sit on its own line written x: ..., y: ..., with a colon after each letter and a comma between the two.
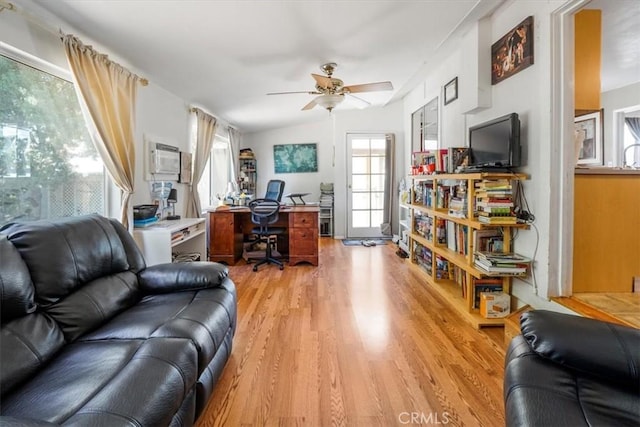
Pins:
x: 329, y: 101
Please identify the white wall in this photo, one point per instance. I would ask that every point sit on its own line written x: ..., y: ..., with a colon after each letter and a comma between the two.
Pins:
x: 526, y: 93
x: 329, y: 133
x: 158, y: 112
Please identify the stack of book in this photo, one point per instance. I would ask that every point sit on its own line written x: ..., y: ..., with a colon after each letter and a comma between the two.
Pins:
x: 458, y: 201
x: 485, y: 285
x: 500, y: 263
x: 494, y: 202
x: 326, y: 209
x: 423, y: 225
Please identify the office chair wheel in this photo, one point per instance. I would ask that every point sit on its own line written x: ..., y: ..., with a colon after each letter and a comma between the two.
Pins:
x: 255, y: 268
x: 282, y: 267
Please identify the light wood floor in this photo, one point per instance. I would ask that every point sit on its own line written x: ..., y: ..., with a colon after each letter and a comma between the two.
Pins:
x: 624, y: 306
x: 357, y: 341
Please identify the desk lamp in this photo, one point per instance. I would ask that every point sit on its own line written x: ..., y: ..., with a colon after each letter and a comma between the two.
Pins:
x: 171, y: 201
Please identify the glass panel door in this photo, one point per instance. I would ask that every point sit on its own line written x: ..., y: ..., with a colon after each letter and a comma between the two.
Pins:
x: 367, y: 175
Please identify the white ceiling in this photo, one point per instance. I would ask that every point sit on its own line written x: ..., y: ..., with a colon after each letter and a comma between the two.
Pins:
x: 620, y: 60
x: 225, y: 56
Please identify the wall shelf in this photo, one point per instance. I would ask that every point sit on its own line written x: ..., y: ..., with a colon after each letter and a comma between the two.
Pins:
x: 446, y: 257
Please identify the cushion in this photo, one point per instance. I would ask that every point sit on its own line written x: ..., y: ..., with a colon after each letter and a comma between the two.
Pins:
x: 68, y: 253
x: 103, y: 383
x: 586, y: 345
x: 26, y: 344
x: 16, y: 288
x: 203, y: 316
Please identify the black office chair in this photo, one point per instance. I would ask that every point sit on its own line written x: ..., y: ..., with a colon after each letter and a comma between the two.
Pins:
x: 264, y: 212
x: 275, y: 188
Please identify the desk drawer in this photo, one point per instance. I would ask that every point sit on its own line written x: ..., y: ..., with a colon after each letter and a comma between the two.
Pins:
x: 303, y: 241
x: 305, y: 219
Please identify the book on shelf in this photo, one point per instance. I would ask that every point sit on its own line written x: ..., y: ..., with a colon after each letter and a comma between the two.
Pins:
x: 423, y: 225
x: 502, y: 257
x: 457, y: 157
x: 457, y: 237
x: 429, y: 161
x: 500, y: 271
x: 498, y: 220
x: 441, y: 230
x: 422, y: 256
x: 501, y: 263
x: 485, y: 285
x: 442, y: 268
x: 495, y: 210
x: 487, y: 240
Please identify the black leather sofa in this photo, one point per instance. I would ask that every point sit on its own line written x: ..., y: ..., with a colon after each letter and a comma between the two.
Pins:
x: 90, y: 336
x: 566, y: 370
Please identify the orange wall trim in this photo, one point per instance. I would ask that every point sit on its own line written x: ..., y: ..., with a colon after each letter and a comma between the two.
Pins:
x: 588, y: 47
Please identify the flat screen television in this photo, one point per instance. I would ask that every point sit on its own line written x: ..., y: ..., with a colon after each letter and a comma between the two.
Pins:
x: 496, y: 143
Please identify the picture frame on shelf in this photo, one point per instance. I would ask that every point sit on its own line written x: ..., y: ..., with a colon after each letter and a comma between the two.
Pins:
x: 588, y: 139
x: 451, y: 91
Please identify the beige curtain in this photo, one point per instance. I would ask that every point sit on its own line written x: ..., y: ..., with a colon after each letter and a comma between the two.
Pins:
x: 234, y: 146
x: 107, y: 94
x: 205, y: 131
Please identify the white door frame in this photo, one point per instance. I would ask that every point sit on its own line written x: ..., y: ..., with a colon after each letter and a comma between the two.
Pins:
x: 364, y: 232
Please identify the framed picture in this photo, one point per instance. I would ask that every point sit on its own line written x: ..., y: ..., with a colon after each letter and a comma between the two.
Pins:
x: 513, y: 52
x: 295, y: 158
x: 588, y: 139
x: 451, y: 91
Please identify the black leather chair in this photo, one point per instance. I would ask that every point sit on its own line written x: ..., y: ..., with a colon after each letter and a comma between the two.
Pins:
x: 264, y: 212
x: 571, y: 371
x: 275, y: 188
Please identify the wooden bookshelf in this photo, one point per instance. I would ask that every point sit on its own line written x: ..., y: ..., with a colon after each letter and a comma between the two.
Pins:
x: 449, y: 289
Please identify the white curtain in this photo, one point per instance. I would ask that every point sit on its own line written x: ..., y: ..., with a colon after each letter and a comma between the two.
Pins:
x: 205, y: 132
x: 386, y: 226
x: 107, y: 94
x: 234, y: 146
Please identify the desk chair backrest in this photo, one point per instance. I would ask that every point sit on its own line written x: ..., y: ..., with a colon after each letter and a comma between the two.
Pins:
x: 275, y: 188
x: 264, y: 212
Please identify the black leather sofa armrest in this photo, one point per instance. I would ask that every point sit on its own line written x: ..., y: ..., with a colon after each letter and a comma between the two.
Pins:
x: 594, y: 347
x: 182, y: 276
x: 6, y: 421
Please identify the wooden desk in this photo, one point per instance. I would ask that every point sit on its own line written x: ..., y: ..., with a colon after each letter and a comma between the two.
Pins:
x: 227, y: 229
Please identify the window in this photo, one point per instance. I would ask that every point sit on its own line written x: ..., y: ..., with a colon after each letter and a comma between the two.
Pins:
x: 632, y: 155
x: 218, y: 172
x: 48, y: 165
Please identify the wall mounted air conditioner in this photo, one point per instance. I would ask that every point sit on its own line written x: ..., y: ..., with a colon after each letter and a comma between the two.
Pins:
x: 165, y: 159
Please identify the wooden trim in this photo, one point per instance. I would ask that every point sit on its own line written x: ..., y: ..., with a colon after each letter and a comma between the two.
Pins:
x: 587, y: 310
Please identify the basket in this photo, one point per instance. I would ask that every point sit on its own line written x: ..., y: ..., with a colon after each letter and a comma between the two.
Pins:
x: 142, y: 212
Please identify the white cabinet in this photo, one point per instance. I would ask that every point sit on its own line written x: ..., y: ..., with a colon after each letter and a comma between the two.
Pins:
x: 158, y: 241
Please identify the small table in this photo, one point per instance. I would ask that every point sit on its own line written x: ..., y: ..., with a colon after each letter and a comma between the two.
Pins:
x: 300, y: 196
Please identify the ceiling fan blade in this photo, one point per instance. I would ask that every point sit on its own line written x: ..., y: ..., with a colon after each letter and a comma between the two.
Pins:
x: 363, y: 102
x: 322, y: 81
x: 309, y: 106
x: 301, y: 91
x: 368, y: 87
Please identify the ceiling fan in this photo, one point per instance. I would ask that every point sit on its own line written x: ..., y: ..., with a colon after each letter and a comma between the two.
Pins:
x: 332, y: 90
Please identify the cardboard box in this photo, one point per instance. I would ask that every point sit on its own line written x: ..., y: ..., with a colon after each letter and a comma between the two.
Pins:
x: 494, y: 305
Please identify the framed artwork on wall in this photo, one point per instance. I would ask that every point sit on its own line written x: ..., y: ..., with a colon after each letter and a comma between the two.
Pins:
x: 588, y: 139
x: 451, y: 91
x: 295, y: 158
x: 513, y: 52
